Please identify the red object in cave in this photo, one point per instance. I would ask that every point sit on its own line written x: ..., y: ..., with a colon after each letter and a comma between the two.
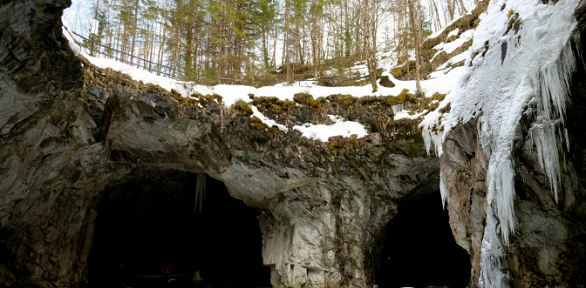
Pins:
x: 167, y: 269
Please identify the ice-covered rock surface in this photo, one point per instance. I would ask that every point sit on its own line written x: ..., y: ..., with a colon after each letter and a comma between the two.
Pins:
x: 507, y: 140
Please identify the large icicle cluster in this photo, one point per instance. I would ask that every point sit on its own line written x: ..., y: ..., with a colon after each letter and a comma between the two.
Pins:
x: 520, y: 63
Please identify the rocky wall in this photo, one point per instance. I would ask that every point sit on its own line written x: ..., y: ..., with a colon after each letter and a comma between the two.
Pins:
x: 70, y: 131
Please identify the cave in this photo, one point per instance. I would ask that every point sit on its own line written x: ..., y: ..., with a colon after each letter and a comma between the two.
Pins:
x: 419, y: 249
x: 151, y: 220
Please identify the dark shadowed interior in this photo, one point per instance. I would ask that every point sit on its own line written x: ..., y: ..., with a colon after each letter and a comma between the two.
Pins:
x: 149, y: 222
x: 420, y: 250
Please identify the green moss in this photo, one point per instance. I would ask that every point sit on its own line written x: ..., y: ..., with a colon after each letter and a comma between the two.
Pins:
x: 334, y: 145
x: 256, y: 122
x: 401, y: 98
x: 397, y: 72
x: 439, y: 97
x: 321, y: 100
x: 433, y: 106
x: 184, y: 101
x: 302, y: 98
x: 218, y: 98
x: 409, y: 140
x: 273, y: 103
x: 241, y: 108
x: 369, y: 99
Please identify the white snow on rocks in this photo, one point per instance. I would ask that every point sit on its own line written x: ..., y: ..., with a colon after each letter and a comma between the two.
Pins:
x: 464, y: 37
x: 266, y: 120
x: 324, y: 132
x: 453, y: 33
x: 452, y: 46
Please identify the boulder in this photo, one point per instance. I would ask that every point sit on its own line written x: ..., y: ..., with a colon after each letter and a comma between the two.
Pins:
x: 386, y: 82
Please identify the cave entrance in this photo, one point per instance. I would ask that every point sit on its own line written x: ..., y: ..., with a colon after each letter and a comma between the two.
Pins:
x: 420, y: 250
x: 149, y: 221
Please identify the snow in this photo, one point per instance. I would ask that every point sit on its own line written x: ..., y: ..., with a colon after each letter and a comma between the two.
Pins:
x: 458, y: 58
x: 405, y: 115
x: 453, y: 33
x: 520, y: 73
x: 464, y: 37
x: 324, y: 132
x: 266, y: 120
x: 439, y: 46
x: 452, y: 46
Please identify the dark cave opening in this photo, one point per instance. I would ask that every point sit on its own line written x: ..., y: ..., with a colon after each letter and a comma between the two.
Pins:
x: 419, y: 249
x: 150, y: 221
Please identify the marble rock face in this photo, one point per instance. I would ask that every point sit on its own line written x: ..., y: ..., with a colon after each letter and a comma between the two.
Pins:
x: 70, y: 131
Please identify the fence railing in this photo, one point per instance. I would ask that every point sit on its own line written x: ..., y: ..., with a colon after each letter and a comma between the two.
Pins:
x: 142, y: 63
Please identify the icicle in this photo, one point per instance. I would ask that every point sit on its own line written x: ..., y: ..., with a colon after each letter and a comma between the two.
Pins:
x: 501, y: 175
x: 445, y: 194
x: 432, y: 137
x: 200, y: 190
x: 397, y: 108
x: 491, y: 252
x: 546, y: 132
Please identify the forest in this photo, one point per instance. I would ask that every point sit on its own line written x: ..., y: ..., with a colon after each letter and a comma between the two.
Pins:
x: 260, y: 41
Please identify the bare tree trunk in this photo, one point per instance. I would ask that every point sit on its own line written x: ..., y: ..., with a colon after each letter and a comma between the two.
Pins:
x: 369, y: 30
x: 415, y: 25
x: 134, y: 34
x: 161, y: 45
x: 346, y: 30
x: 437, y: 19
x: 451, y: 8
x: 275, y: 38
x: 286, y: 44
x: 462, y: 6
x: 315, y: 36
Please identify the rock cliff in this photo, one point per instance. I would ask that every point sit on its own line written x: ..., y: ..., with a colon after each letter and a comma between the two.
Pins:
x: 70, y: 130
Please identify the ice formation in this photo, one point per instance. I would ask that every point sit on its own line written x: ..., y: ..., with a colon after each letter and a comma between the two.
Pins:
x: 397, y: 108
x: 521, y: 60
x: 444, y: 192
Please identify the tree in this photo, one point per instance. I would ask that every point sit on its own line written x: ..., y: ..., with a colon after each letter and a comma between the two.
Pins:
x: 316, y: 34
x: 414, y: 12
